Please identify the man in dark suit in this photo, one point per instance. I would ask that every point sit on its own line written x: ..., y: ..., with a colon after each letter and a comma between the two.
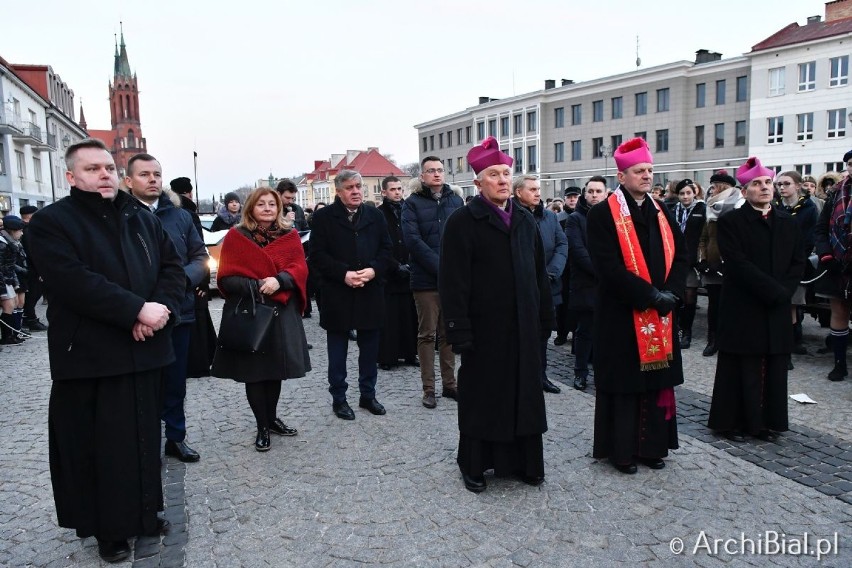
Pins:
x: 350, y: 254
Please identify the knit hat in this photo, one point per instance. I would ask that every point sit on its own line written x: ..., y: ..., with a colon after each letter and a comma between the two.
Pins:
x: 847, y: 156
x: 28, y: 209
x: 752, y: 169
x: 634, y: 151
x: 231, y: 196
x: 722, y: 176
x: 181, y: 185
x: 13, y: 223
x: 486, y: 155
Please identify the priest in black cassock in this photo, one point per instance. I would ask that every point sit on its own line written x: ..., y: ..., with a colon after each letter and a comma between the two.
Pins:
x: 641, y: 260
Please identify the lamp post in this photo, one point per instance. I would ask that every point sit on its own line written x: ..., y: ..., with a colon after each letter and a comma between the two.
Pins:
x: 606, y: 152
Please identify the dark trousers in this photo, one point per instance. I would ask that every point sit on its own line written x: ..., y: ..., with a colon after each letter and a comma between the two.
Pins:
x: 583, y: 343
x: 34, y: 290
x: 368, y: 352
x: 174, y: 385
x: 566, y: 320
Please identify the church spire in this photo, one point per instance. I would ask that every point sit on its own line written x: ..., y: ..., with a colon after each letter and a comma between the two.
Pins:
x: 122, y: 65
x: 115, y: 65
x: 82, y: 117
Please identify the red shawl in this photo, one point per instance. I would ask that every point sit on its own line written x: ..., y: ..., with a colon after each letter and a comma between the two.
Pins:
x: 241, y: 256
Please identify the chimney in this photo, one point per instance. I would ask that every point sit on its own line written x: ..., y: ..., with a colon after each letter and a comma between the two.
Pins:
x: 838, y: 10
x: 814, y: 19
x: 567, y: 82
x: 483, y: 100
x: 705, y: 56
x: 549, y: 84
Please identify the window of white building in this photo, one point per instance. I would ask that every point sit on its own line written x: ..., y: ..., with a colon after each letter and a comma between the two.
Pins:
x: 807, y: 76
x: 776, y: 130
x: 838, y: 74
x: 837, y: 123
x: 776, y: 82
x: 805, y: 126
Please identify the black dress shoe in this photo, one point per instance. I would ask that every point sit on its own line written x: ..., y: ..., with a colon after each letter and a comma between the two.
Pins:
x: 262, y: 442
x: 385, y: 367
x: 278, y: 427
x: 653, y: 463
x: 450, y: 393
x: 580, y: 383
x: 113, y: 550
x: 343, y: 410
x: 181, y: 451
x: 560, y: 340
x: 373, y: 405
x: 710, y: 350
x: 474, y: 483
x: 735, y: 436
x: 534, y: 480
x: 628, y: 468
x: 686, y: 342
x: 550, y: 387
x: 768, y: 436
x: 163, y: 527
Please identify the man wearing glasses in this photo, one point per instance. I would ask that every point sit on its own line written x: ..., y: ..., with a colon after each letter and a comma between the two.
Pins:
x: 424, y: 215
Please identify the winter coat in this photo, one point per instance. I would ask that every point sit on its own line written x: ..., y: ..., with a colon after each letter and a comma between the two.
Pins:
x: 805, y: 217
x: 224, y: 220
x: 694, y: 227
x: 495, y: 297
x: 101, y: 260
x: 193, y: 254
x: 621, y: 292
x: 398, y: 279
x: 338, y: 246
x: 10, y: 254
x: 584, y: 281
x: 423, y: 220
x: 555, y: 247
x: 299, y: 223
x: 764, y: 263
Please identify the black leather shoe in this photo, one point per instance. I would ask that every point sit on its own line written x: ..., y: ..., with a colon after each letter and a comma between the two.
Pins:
x: 262, y: 442
x: 34, y: 325
x: 534, y: 480
x: 710, y: 350
x: 550, y: 387
x: 343, y: 410
x: 768, y: 436
x: 113, y: 550
x: 278, y: 427
x: 385, y: 367
x: 686, y: 342
x: 373, y: 405
x: 476, y: 483
x: 450, y: 393
x: 560, y: 340
x: 735, y: 436
x: 580, y: 383
x: 653, y: 463
x: 181, y: 451
x: 628, y: 468
x: 163, y: 527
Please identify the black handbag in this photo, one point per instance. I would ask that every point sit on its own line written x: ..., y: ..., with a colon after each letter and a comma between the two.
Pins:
x: 247, y: 326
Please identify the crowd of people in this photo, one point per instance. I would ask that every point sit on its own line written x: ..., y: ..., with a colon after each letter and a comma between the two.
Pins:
x: 480, y: 284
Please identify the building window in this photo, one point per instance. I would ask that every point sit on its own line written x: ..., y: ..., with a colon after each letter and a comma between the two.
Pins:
x: 740, y: 133
x: 837, y: 123
x: 641, y: 103
x: 518, y: 119
x: 467, y: 134
x: 662, y: 100
x: 614, y: 142
x: 804, y: 169
x: 440, y: 140
x: 719, y: 135
x: 720, y: 91
x: 700, y: 95
x: 742, y: 89
x: 459, y: 165
x: 504, y: 126
x: 617, y: 107
x: 519, y: 160
x: 532, y: 158
x: 459, y: 137
x: 838, y: 71
x: 425, y: 144
x: 597, y: 147
x: 480, y: 131
x: 775, y: 134
x: 805, y: 126
x: 662, y: 140
x: 576, y: 115
x: 699, y: 137
x: 559, y: 117
x: 776, y: 82
x: 643, y: 135
x: 23, y: 203
x: 576, y: 150
x: 450, y: 139
x: 492, y: 127
x: 21, y: 163
x: 835, y: 167
x: 559, y: 152
x: 431, y: 141
x: 37, y: 169
x: 807, y: 76
x: 532, y: 121
x: 597, y: 111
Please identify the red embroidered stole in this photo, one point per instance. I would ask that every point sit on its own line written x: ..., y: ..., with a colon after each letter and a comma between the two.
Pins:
x: 653, y: 332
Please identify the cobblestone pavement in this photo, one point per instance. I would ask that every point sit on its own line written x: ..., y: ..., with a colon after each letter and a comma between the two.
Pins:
x: 386, y: 490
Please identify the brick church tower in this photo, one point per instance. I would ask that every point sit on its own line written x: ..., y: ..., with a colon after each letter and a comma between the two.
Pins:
x: 125, y: 139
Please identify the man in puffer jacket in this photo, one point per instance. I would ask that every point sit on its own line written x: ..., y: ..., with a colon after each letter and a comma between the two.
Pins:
x: 424, y: 215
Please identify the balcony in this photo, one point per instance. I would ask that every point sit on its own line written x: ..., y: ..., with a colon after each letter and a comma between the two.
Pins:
x: 48, y: 144
x: 10, y: 123
x: 33, y: 135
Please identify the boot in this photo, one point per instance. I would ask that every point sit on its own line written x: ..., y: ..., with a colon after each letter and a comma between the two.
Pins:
x: 798, y: 348
x: 18, y: 316
x: 8, y: 335
x: 838, y: 373
x: 710, y: 350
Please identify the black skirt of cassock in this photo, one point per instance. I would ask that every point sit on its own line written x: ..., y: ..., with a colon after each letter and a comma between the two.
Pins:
x: 749, y: 394
x: 104, y: 445
x: 628, y: 426
x: 202, y: 340
x: 522, y: 456
x: 399, y: 335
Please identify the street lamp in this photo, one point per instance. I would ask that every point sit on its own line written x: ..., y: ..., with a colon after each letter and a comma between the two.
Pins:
x: 66, y: 141
x: 606, y: 152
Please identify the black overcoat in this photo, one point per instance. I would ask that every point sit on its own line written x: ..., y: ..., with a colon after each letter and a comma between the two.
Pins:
x: 694, y: 227
x: 338, y: 246
x: 616, y: 353
x: 495, y: 293
x: 764, y: 262
x: 584, y: 281
x: 396, y: 281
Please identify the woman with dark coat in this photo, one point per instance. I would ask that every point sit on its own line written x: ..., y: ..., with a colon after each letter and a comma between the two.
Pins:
x: 229, y: 215
x: 263, y: 256
x: 690, y: 215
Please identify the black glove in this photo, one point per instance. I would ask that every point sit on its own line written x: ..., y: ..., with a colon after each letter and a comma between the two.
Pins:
x: 664, y: 302
x: 703, y: 266
x: 465, y: 347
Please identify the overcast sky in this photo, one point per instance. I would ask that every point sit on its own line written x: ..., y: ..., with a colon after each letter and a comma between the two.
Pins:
x: 259, y: 86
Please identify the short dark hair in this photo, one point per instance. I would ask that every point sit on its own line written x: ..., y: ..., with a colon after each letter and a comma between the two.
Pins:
x: 596, y: 178
x: 286, y: 185
x: 388, y: 180
x: 142, y: 157
x: 429, y: 159
x: 85, y: 143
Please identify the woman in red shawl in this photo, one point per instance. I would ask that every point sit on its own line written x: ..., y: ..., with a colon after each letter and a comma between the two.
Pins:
x: 263, y: 256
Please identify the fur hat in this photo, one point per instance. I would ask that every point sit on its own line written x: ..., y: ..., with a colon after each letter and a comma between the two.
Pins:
x: 181, y: 185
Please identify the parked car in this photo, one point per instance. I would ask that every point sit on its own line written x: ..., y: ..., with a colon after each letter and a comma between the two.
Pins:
x: 213, y: 242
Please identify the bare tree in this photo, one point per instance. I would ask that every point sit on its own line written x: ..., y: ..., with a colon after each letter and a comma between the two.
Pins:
x: 412, y: 169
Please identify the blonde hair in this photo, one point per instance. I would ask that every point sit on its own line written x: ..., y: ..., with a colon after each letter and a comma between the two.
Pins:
x: 250, y: 223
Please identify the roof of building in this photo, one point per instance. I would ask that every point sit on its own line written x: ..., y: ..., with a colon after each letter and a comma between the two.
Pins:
x: 794, y: 33
x: 368, y: 163
x: 105, y: 136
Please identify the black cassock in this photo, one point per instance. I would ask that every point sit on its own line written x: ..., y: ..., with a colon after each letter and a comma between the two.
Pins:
x: 399, y: 334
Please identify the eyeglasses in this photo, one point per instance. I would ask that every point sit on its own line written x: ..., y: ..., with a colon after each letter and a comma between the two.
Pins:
x: 783, y: 183
x: 432, y: 171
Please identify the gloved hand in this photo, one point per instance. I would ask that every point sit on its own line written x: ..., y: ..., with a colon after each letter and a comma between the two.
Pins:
x: 404, y: 269
x: 465, y: 347
x: 664, y: 302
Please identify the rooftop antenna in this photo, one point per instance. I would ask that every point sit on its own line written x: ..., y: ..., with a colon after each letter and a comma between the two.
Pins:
x: 638, y: 60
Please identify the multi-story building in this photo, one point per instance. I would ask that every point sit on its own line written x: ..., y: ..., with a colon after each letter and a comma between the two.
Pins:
x: 318, y: 185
